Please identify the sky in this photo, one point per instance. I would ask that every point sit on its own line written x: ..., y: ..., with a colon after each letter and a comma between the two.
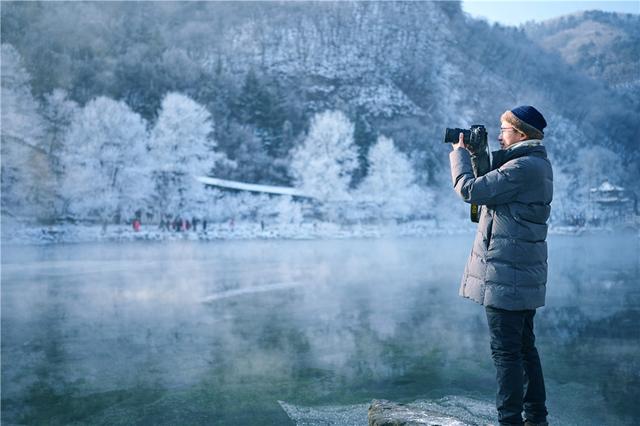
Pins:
x: 518, y: 12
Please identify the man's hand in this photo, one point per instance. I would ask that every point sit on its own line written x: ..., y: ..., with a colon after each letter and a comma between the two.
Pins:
x: 460, y: 143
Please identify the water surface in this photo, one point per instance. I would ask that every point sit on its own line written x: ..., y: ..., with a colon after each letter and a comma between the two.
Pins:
x: 219, y: 332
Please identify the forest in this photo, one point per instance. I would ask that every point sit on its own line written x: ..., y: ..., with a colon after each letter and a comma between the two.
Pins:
x: 109, y: 108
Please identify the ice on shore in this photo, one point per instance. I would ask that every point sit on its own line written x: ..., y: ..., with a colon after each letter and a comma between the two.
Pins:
x: 447, y: 411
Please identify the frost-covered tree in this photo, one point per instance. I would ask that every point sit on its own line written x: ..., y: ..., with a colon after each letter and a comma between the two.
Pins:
x: 289, y: 212
x: 251, y: 161
x: 579, y: 164
x: 594, y: 166
x: 57, y: 111
x: 324, y: 163
x: 27, y: 188
x: 181, y: 147
x: 243, y: 206
x: 565, y: 202
x: 390, y: 188
x: 105, y: 161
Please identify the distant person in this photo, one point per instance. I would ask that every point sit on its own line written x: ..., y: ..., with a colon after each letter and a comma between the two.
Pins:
x: 194, y: 222
x: 204, y: 225
x: 136, y: 225
x: 507, y: 269
x: 232, y: 223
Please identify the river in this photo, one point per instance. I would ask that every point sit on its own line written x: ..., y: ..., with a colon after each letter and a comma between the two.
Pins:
x: 229, y: 332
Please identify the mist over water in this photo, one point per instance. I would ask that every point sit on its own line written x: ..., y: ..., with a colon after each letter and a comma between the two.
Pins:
x: 204, y: 333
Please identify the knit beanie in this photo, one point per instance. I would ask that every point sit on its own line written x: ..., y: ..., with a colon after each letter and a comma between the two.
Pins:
x: 526, y: 119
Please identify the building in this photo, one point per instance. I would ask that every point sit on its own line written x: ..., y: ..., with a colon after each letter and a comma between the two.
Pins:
x: 612, y: 204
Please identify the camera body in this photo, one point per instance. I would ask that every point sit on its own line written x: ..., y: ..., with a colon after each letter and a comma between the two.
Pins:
x: 475, y: 138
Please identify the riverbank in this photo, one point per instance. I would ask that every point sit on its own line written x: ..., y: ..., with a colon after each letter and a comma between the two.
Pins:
x: 70, y: 233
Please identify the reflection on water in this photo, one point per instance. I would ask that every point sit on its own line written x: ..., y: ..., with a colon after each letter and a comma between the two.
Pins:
x: 203, y: 333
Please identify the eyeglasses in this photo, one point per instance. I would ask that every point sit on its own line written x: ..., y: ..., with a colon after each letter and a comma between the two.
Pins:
x: 504, y: 129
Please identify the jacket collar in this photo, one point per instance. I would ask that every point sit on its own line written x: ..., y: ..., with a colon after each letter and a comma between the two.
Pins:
x: 529, y: 142
x: 532, y: 147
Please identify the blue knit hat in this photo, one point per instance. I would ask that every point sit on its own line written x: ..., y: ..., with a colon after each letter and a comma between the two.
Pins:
x: 526, y: 119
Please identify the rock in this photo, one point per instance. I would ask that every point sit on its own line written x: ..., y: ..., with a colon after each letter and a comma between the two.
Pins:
x: 386, y: 413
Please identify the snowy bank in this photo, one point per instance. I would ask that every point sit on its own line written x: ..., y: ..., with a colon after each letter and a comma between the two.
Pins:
x: 224, y: 231
x: 29, y: 234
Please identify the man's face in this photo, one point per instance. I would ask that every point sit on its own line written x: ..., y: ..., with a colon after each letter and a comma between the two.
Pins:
x: 508, y: 135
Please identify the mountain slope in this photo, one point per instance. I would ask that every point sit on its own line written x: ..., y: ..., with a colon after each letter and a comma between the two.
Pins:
x: 405, y: 69
x: 604, y: 45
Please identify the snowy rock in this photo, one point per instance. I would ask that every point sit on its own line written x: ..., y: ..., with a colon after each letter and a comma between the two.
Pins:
x: 338, y: 415
x: 386, y: 413
x: 450, y: 410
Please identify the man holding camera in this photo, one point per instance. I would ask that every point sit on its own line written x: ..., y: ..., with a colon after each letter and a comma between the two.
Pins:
x: 507, y: 269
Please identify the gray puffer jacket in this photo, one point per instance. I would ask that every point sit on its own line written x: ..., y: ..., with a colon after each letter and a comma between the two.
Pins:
x: 507, y: 268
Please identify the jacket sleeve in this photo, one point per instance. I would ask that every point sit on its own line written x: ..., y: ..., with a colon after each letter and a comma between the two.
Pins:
x: 499, y: 186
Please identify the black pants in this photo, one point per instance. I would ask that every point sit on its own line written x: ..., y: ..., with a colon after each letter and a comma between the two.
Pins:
x: 518, y: 369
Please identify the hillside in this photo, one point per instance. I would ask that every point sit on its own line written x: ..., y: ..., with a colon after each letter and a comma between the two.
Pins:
x: 604, y: 45
x: 405, y: 70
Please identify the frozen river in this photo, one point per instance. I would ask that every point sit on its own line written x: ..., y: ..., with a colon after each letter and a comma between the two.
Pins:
x: 237, y: 332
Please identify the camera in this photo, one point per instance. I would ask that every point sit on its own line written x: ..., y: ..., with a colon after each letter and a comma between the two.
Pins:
x: 476, y: 141
x: 475, y: 138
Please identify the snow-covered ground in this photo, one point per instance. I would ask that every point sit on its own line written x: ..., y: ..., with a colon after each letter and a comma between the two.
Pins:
x: 219, y: 231
x: 29, y: 234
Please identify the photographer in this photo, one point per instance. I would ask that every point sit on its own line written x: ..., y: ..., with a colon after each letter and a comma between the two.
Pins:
x: 507, y: 269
